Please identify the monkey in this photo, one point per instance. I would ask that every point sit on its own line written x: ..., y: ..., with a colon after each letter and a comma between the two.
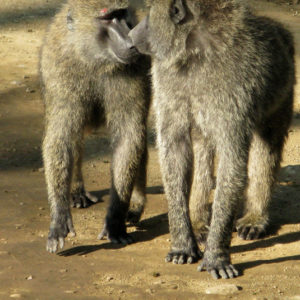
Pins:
x: 223, y: 84
x: 92, y: 75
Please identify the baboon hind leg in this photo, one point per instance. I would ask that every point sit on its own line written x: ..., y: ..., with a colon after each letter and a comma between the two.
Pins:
x: 264, y: 162
x: 138, y: 197
x: 79, y: 197
x: 201, y: 187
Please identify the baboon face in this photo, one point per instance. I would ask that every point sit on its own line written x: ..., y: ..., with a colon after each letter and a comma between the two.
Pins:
x: 99, y: 30
x: 174, y: 27
x: 159, y: 34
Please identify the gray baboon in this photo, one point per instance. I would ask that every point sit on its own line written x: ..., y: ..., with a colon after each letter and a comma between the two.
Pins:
x: 91, y: 74
x: 223, y: 82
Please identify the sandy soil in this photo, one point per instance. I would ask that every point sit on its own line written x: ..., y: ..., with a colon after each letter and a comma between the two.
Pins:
x: 92, y: 269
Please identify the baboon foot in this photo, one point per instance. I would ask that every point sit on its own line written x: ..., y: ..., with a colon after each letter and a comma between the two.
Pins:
x: 115, y: 233
x: 134, y: 215
x: 82, y: 199
x: 218, y: 266
x: 251, y: 227
x: 59, y: 229
x: 201, y: 234
x: 186, y: 256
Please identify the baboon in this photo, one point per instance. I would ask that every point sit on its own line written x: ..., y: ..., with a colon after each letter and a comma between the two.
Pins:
x: 223, y: 83
x: 92, y: 74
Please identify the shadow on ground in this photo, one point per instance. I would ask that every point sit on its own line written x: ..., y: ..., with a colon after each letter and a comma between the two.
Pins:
x: 147, y: 230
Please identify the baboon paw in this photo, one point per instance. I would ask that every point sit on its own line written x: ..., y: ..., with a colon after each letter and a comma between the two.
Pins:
x: 201, y: 234
x: 183, y: 257
x: 218, y: 267
x: 57, y: 234
x: 82, y: 199
x: 134, y: 216
x: 115, y: 237
x: 251, y: 228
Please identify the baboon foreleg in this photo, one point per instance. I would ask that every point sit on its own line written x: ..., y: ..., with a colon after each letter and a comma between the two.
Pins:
x: 231, y: 182
x: 201, y: 187
x: 176, y: 163
x: 60, y: 145
x: 79, y: 197
x: 138, y: 197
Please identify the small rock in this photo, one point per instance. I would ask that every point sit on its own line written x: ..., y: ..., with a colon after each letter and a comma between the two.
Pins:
x: 225, y: 289
x: 41, y: 170
x: 29, y: 90
x: 70, y: 292
x: 41, y: 208
x: 109, y: 278
x: 29, y: 277
x: 63, y: 271
x: 26, y: 77
x: 155, y: 274
x: 29, y: 30
x: 150, y: 291
x: 15, y: 296
x: 16, y: 82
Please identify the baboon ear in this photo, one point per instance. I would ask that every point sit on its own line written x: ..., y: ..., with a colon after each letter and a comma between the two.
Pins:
x: 178, y: 11
x: 70, y: 21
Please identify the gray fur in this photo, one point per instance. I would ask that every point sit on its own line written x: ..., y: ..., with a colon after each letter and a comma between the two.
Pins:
x: 223, y: 83
x: 85, y: 85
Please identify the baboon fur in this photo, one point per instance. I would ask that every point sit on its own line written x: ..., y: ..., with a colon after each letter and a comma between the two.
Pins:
x: 85, y: 86
x: 223, y: 84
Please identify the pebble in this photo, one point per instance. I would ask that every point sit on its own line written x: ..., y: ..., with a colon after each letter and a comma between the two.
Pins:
x: 70, y: 292
x: 29, y: 277
x: 15, y: 296
x: 225, y: 289
x: 16, y: 82
x: 63, y: 271
x: 29, y: 90
x: 150, y: 291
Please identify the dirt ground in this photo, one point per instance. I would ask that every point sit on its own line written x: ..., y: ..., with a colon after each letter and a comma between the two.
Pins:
x: 92, y: 269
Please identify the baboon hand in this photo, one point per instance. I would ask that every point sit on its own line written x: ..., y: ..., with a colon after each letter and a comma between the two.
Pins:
x: 82, y: 199
x: 115, y: 233
x: 185, y: 256
x: 60, y: 227
x: 218, y: 265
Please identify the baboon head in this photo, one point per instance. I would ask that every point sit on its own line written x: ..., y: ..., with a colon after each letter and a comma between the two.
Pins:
x: 175, y: 27
x: 99, y: 30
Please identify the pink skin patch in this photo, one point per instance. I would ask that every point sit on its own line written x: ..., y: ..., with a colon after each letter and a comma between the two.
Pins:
x: 103, y: 11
